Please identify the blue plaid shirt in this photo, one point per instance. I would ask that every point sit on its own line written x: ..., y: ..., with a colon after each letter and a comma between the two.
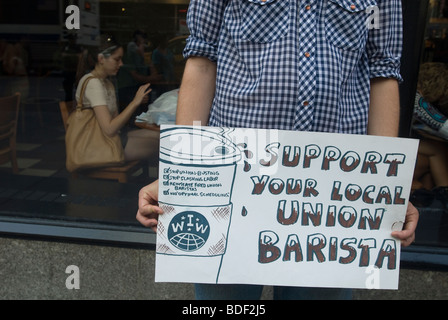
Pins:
x: 295, y: 64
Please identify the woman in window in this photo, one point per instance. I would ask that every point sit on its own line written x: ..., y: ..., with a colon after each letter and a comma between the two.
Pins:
x: 100, y: 95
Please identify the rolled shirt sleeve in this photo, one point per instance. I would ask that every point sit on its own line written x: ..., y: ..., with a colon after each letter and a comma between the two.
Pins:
x: 204, y: 21
x: 385, y: 43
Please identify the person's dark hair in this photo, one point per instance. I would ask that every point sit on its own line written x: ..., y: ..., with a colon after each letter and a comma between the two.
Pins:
x: 139, y: 33
x: 89, y: 57
x: 433, y: 84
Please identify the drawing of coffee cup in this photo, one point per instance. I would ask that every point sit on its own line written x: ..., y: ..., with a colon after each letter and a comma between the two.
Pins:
x: 197, y: 171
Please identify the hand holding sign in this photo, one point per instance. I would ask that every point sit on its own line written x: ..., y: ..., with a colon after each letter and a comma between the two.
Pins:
x: 407, y: 235
x: 148, y: 209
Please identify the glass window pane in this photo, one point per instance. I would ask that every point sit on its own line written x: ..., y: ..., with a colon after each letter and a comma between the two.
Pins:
x: 41, y: 48
x: 430, y: 193
x: 40, y: 55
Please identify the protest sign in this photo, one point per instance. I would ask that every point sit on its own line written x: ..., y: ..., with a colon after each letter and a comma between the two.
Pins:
x: 279, y: 207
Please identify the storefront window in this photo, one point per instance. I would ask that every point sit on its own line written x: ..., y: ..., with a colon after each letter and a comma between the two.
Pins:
x: 431, y: 127
x: 40, y: 50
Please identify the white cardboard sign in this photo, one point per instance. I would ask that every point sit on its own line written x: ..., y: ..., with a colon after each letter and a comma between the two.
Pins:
x: 277, y: 207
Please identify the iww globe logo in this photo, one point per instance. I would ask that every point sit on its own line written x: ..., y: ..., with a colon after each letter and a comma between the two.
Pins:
x: 188, y: 231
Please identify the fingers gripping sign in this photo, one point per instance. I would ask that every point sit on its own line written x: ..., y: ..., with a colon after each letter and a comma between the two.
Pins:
x: 148, y: 209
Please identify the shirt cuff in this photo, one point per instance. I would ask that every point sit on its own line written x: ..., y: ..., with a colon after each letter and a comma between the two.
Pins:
x: 199, y: 48
x: 387, y: 68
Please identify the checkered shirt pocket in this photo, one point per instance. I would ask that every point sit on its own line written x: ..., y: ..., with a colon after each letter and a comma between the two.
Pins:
x: 264, y: 21
x: 346, y: 23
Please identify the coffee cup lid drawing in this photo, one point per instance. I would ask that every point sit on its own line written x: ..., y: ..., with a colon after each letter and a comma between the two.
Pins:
x: 192, y: 146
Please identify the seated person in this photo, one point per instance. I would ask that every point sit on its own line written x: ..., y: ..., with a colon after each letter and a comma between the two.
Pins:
x: 430, y: 109
x: 139, y: 144
x: 134, y: 72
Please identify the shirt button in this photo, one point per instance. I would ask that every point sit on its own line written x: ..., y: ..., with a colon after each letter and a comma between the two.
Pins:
x: 307, y: 54
x: 308, y: 7
x: 306, y: 103
x: 353, y: 7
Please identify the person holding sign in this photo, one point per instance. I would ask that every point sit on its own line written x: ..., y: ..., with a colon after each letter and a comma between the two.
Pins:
x: 323, y: 66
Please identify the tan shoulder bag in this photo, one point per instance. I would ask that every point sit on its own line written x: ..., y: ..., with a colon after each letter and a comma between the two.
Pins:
x: 86, y: 144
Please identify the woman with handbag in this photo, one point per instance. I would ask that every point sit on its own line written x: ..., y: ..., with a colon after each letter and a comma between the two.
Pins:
x: 96, y: 91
